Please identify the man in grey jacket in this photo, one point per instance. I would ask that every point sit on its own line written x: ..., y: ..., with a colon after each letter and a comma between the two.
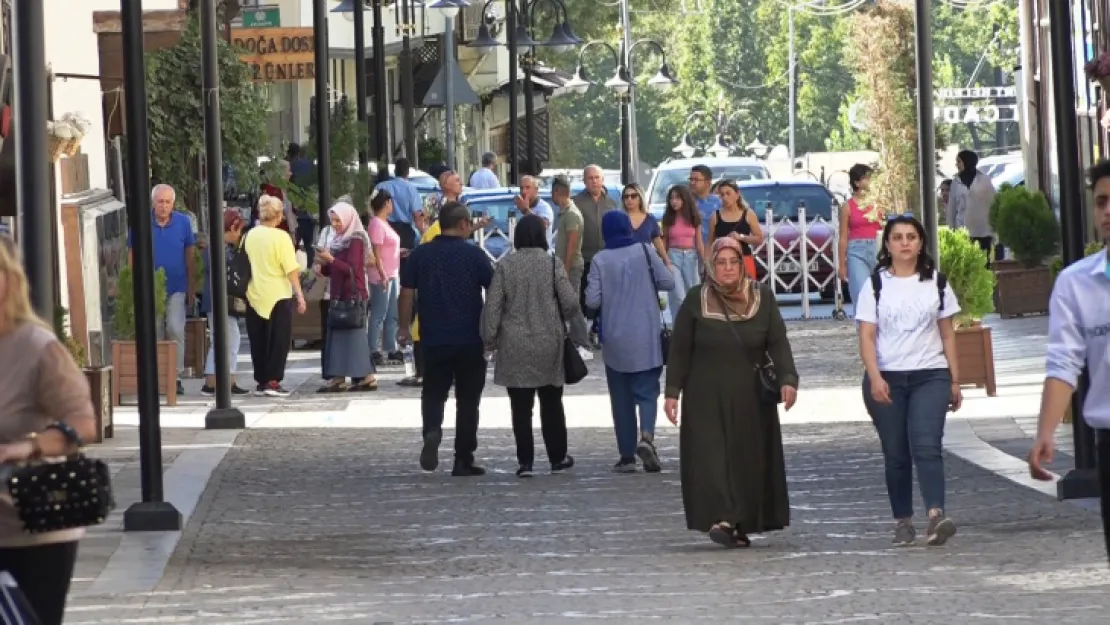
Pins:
x: 593, y: 202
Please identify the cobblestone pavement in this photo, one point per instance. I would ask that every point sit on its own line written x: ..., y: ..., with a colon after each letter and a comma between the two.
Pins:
x: 338, y: 525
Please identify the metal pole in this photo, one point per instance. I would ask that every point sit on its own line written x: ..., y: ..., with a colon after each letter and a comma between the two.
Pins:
x: 408, y: 107
x: 631, y: 150
x: 1029, y: 123
x: 529, y: 97
x: 31, y: 165
x: 381, y: 102
x: 793, y: 78
x: 152, y: 513
x: 1082, y: 481
x: 514, y: 89
x: 323, y: 108
x: 223, y: 416
x: 360, y: 80
x: 449, y: 91
x: 926, y: 133
x: 627, y: 175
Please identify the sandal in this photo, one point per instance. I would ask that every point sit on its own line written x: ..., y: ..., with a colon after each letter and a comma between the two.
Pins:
x: 364, y: 386
x: 722, y: 534
x: 334, y: 387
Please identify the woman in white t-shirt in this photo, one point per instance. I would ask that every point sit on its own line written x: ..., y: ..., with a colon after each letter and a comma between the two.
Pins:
x: 908, y: 346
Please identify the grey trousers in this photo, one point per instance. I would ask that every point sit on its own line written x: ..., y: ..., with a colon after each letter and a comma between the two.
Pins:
x: 578, y: 331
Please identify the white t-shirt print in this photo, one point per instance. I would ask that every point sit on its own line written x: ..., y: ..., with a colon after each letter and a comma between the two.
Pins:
x: 907, y: 338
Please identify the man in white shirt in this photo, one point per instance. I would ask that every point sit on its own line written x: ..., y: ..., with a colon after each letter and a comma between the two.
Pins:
x: 529, y: 202
x: 485, y: 177
x: 1078, y: 337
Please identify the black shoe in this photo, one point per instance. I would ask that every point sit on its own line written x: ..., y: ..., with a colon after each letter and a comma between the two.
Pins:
x: 562, y: 465
x: 207, y: 391
x: 645, y: 449
x: 180, y: 388
x: 625, y: 465
x: 467, y: 469
x: 395, y: 358
x: 377, y: 359
x: 429, y: 454
x: 525, y: 470
x: 238, y: 390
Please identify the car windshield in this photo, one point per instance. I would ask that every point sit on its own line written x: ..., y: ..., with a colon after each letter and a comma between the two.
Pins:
x: 786, y: 198
x: 667, y: 178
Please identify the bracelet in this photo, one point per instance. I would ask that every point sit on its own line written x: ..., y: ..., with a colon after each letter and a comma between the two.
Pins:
x: 68, y: 432
x: 36, y: 446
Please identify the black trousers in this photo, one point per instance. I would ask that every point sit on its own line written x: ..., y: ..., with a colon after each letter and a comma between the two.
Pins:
x: 407, y: 233
x: 985, y: 244
x: 270, y: 341
x: 418, y: 358
x: 553, y: 422
x: 464, y: 366
x: 1104, y: 483
x: 324, y: 308
x: 306, y: 235
x: 43, y: 573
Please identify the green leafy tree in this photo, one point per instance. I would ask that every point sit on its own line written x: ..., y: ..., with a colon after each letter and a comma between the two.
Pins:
x: 176, y: 113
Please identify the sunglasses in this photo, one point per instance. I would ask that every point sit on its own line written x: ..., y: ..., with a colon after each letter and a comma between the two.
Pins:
x: 902, y: 216
x: 632, y: 196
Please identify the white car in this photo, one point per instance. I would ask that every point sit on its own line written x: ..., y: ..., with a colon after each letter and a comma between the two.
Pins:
x: 677, y: 171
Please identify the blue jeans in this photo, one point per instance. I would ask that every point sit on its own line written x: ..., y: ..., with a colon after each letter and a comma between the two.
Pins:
x: 687, y: 275
x: 172, y: 327
x: 383, y: 313
x: 627, y: 392
x: 233, y: 340
x: 861, y: 264
x: 911, y: 429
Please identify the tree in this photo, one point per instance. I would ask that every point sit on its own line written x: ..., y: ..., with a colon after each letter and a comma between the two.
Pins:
x: 175, y: 113
x: 885, y: 75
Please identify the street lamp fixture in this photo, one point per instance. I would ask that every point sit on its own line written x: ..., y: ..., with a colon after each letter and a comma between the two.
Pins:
x: 718, y: 149
x: 620, y: 82
x: 684, y: 149
x: 449, y: 8
x: 663, y: 80
x: 578, y: 84
x: 485, y: 42
x: 757, y: 147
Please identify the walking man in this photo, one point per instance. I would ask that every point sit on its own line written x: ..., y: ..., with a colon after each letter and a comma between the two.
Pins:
x: 173, y: 241
x: 448, y: 277
x: 568, y: 247
x: 593, y: 202
x: 701, y: 185
x: 1079, y: 337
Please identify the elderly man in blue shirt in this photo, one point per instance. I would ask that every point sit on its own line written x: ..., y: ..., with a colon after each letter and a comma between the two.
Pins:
x: 1078, y: 337
x: 408, y: 207
x: 173, y: 240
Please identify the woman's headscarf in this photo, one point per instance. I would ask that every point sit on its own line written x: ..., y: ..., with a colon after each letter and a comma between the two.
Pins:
x: 740, y: 297
x: 616, y: 230
x: 530, y: 232
x: 352, y: 227
x: 971, y: 163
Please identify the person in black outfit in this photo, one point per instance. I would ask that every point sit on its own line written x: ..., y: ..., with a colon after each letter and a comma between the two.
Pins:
x: 450, y: 275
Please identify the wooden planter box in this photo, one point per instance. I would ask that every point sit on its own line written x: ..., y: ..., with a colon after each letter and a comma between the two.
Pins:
x: 196, y: 344
x: 125, y: 377
x: 100, y: 386
x: 1023, y: 291
x: 975, y: 354
x: 306, y: 327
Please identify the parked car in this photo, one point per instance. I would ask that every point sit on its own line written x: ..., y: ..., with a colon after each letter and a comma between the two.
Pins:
x: 670, y: 173
x: 784, y: 199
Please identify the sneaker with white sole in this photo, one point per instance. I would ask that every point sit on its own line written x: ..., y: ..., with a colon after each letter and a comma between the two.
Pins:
x: 645, y: 450
x: 274, y: 389
x: 939, y: 530
x: 904, y: 534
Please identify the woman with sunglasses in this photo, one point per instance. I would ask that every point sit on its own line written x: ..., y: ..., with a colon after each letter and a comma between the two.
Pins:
x: 736, y: 221
x: 645, y: 229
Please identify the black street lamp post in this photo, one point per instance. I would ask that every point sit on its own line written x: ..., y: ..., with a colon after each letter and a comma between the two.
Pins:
x: 153, y: 513
x: 622, y: 83
x: 926, y: 143
x: 381, y: 102
x: 358, y: 16
x: 224, y: 416
x: 518, y: 40
x: 406, y: 27
x: 323, y: 109
x: 31, y: 163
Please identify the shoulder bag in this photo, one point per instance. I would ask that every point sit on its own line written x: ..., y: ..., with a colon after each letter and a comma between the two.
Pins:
x: 768, y: 387
x: 350, y: 313
x: 574, y: 368
x: 49, y: 497
x: 664, y: 331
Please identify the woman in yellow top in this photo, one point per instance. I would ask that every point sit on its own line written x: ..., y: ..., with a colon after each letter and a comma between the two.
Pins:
x: 273, y: 293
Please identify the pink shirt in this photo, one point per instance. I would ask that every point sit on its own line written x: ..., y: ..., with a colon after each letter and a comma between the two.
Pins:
x: 681, y: 234
x: 388, y: 245
x: 859, y: 226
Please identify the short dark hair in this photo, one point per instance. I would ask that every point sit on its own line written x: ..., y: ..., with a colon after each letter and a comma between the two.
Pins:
x: 294, y: 150
x: 1098, y: 171
x: 703, y: 171
x: 488, y: 159
x: 451, y: 214
x: 401, y: 168
x: 947, y: 182
x: 858, y: 172
x: 560, y: 183
x: 378, y: 200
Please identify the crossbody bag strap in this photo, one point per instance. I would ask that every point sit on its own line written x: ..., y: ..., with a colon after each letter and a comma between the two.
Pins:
x: 651, y: 275
x: 757, y: 363
x: 555, y: 292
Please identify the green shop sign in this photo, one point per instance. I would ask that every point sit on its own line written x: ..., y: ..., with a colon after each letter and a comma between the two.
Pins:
x: 262, y: 18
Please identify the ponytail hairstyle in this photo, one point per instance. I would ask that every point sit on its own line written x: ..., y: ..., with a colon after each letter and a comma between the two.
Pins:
x: 926, y: 266
x: 857, y: 173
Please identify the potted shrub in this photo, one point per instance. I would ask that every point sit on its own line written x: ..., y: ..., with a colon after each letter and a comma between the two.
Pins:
x: 99, y: 378
x: 1026, y: 225
x: 965, y: 265
x: 125, y: 377
x: 196, y: 328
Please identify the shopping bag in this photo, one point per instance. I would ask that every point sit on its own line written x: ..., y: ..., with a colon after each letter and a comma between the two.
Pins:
x: 14, y: 607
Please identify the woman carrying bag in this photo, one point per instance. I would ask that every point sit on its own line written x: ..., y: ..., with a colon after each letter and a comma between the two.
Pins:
x: 344, y: 263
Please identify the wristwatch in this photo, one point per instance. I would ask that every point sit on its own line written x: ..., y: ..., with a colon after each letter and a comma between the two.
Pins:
x: 68, y: 432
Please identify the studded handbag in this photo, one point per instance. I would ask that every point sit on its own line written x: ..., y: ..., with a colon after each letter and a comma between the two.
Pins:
x: 62, y: 495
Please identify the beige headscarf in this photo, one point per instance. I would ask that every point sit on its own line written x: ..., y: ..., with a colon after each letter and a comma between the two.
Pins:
x: 739, y: 299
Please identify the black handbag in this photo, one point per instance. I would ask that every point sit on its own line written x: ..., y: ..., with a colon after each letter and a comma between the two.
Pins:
x: 57, y: 496
x: 768, y: 386
x: 238, y: 272
x: 348, y: 314
x: 664, y: 332
x: 574, y: 368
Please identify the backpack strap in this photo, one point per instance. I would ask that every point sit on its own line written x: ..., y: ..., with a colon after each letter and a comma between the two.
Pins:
x: 942, y: 282
x: 876, y: 286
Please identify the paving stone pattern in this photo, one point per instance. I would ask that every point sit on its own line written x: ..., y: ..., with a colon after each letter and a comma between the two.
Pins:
x: 338, y: 525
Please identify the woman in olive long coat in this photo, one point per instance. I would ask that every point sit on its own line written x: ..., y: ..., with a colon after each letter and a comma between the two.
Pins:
x: 733, y: 470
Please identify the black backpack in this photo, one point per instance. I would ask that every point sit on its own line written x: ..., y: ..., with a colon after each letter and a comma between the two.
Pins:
x: 238, y: 271
x: 877, y: 287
